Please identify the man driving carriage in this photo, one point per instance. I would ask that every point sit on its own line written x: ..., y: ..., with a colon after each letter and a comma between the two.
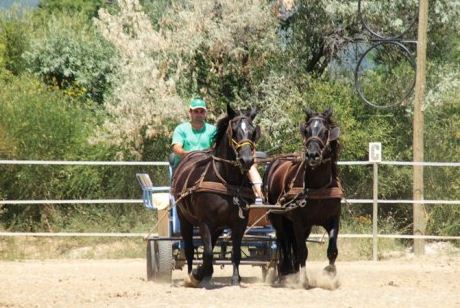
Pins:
x: 197, y: 134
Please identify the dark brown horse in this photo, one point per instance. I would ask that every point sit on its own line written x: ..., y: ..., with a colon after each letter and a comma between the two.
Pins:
x: 212, y: 191
x: 308, y: 190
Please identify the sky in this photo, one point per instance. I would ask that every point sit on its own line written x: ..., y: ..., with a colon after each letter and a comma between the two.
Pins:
x: 4, y: 4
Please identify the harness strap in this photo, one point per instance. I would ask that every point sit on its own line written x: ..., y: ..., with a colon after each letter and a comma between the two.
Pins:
x: 228, y: 190
x: 217, y: 172
x: 300, y: 192
x: 317, y: 194
x: 185, y: 192
x: 207, y: 186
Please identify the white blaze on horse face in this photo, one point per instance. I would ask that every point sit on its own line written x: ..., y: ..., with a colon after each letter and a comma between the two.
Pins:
x: 316, y: 128
x: 243, y: 127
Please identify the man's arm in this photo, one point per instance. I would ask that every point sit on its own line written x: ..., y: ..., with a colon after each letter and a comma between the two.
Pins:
x: 178, y: 140
x: 179, y: 150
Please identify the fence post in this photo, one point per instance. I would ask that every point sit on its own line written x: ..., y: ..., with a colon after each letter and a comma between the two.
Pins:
x: 375, y: 211
x: 375, y: 156
x: 420, y: 216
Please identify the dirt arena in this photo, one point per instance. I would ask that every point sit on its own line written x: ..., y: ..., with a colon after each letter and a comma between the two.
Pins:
x: 428, y: 281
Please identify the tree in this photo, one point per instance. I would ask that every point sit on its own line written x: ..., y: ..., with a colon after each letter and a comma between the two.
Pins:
x: 87, y: 8
x: 71, y: 55
x: 209, y: 48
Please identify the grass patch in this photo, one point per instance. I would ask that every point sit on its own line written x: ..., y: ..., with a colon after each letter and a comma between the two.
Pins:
x: 71, y: 248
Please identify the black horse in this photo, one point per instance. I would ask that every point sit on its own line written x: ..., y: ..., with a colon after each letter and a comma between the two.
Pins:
x: 212, y: 191
x: 308, y: 189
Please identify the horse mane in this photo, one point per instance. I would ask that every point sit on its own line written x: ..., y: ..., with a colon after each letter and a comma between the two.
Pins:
x: 220, y: 131
x: 335, y: 144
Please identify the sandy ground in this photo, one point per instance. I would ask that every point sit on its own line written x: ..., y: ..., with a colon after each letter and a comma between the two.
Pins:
x: 404, y: 282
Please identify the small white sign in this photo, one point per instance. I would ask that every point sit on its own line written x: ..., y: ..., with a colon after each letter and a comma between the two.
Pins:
x: 375, y: 152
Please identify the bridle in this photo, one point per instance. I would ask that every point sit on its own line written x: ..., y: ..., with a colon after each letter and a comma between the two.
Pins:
x: 237, y: 145
x: 323, y: 145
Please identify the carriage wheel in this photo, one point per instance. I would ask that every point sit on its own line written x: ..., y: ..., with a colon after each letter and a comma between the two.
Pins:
x: 159, y: 260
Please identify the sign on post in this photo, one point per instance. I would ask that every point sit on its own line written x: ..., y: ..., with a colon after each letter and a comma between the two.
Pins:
x: 375, y: 152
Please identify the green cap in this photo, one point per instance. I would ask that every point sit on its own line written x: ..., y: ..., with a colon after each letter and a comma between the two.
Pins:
x: 197, y: 103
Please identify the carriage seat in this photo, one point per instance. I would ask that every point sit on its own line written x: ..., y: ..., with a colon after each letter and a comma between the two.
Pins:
x: 153, y: 197
x: 171, y: 158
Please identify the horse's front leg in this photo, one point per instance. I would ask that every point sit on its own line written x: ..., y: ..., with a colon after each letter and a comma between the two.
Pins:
x: 205, y: 271
x: 186, y: 231
x: 284, y: 234
x: 332, y: 229
x: 301, y: 253
x: 237, y: 236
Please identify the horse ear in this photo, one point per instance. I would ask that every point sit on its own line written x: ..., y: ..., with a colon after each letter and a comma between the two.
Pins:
x: 334, y: 133
x: 302, y: 128
x: 231, y: 113
x: 327, y: 113
x: 310, y: 113
x: 253, y: 113
x: 257, y: 133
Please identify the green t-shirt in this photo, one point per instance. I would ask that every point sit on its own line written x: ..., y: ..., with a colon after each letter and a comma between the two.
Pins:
x: 191, y: 139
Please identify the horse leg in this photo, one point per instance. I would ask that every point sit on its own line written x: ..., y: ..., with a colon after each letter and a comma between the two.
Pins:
x: 205, y: 271
x: 301, y: 254
x: 332, y: 229
x: 284, y: 262
x: 187, y: 235
x: 186, y: 230
x: 237, y: 236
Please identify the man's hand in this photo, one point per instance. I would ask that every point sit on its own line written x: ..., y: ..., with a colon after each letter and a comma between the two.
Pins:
x: 178, y: 150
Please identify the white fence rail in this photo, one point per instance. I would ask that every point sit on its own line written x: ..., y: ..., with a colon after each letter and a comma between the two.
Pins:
x: 373, y: 201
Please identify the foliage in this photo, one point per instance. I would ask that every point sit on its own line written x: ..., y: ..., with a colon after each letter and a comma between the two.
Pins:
x: 70, y: 55
x: 200, y: 48
x: 48, y: 129
x: 87, y: 8
x: 145, y: 96
x: 14, y: 39
x: 336, y: 25
x: 144, y: 62
x: 443, y: 144
x: 230, y: 54
x: 54, y: 127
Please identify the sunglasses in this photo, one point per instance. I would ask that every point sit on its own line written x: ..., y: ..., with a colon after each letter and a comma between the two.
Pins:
x: 198, y: 110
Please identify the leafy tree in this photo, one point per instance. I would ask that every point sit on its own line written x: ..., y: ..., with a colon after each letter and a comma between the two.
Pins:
x: 87, y: 8
x: 14, y: 39
x: 71, y: 56
x: 213, y: 49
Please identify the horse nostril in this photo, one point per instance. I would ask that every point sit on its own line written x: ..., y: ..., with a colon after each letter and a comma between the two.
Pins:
x: 313, y: 155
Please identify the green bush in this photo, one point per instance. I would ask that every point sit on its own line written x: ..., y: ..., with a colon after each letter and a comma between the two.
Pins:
x: 84, y: 7
x: 71, y: 56
x: 46, y: 125
x: 14, y: 40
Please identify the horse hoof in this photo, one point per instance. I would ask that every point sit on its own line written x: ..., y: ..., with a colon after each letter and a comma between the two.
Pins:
x: 235, y: 282
x: 191, y: 282
x: 306, y: 285
x: 330, y: 270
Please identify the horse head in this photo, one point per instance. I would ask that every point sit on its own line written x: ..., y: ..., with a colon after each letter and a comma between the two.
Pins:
x: 317, y: 132
x: 242, y: 135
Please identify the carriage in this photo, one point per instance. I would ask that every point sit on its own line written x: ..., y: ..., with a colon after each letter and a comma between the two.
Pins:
x: 213, y: 192
x: 165, y: 251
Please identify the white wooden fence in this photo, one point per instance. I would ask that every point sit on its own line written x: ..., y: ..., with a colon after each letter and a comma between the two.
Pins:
x: 374, y: 201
